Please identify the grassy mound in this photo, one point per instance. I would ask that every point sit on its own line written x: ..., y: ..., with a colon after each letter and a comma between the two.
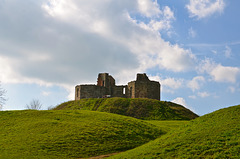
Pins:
x: 148, y: 109
x: 216, y: 135
x: 69, y: 134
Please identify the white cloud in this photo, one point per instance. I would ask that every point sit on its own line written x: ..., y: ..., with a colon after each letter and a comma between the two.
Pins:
x: 177, y: 59
x: 225, y: 74
x: 203, y: 94
x: 228, y: 52
x: 200, y: 94
x: 205, y: 8
x: 168, y: 84
x: 159, y: 21
x: 192, y: 33
x: 232, y: 89
x: 196, y: 82
x: 154, y: 78
x: 192, y: 96
x: 206, y: 66
x: 149, y: 8
x: 214, y: 52
x: 67, y: 42
x: 181, y: 101
x: 168, y: 13
x: 218, y: 72
x: 165, y: 22
x: 46, y: 93
x: 172, y: 83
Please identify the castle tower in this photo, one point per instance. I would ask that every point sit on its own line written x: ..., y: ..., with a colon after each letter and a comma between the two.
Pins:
x: 144, y: 88
x: 107, y: 81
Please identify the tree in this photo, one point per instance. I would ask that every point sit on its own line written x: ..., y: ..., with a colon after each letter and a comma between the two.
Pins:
x: 34, y: 104
x: 51, y: 107
x: 2, y: 96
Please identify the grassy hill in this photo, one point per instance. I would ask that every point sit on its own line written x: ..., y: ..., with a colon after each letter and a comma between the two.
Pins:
x: 148, y: 109
x: 69, y: 134
x: 215, y: 135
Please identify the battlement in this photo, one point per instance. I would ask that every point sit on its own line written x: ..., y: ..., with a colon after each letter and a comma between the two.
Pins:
x: 141, y: 88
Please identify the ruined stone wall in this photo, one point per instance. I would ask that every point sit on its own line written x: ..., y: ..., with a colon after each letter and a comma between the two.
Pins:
x: 144, y: 88
x: 120, y: 91
x: 154, y: 90
x: 141, y: 88
x: 111, y: 81
x: 107, y: 81
x: 102, y: 79
x: 149, y: 89
x: 142, y: 77
x: 77, y: 92
x: 131, y: 89
x: 89, y: 91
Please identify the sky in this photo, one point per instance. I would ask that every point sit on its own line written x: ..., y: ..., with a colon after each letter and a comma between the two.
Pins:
x: 191, y: 46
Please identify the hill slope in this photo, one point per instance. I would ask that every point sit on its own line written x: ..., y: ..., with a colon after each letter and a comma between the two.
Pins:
x: 148, y: 109
x: 69, y: 134
x: 216, y: 135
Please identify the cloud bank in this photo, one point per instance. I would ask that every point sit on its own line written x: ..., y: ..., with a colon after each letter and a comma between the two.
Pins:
x: 218, y: 72
x: 65, y: 42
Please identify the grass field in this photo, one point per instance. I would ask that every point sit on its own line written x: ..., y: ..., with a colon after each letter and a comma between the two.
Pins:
x: 147, y: 109
x: 215, y: 135
x: 167, y: 125
x: 69, y: 134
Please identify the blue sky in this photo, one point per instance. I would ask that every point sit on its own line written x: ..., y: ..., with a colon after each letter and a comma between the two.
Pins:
x: 192, y: 47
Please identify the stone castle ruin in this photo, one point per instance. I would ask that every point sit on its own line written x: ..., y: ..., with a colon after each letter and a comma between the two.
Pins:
x: 106, y: 87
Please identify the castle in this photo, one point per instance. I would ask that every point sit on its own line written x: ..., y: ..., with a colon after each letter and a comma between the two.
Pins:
x: 141, y: 88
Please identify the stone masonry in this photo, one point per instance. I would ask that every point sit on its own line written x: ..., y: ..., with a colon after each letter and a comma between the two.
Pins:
x: 141, y: 88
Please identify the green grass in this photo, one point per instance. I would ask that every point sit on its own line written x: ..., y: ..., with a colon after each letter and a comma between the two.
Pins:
x: 72, y: 131
x: 215, y: 135
x: 70, y: 134
x: 166, y: 125
x: 147, y: 109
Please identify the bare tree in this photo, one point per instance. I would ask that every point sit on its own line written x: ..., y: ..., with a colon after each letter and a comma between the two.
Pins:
x: 2, y: 96
x: 34, y: 104
x: 50, y: 107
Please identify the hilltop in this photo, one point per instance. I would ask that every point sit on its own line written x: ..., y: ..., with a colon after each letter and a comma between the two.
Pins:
x: 147, y: 109
x: 215, y: 135
x: 70, y: 134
